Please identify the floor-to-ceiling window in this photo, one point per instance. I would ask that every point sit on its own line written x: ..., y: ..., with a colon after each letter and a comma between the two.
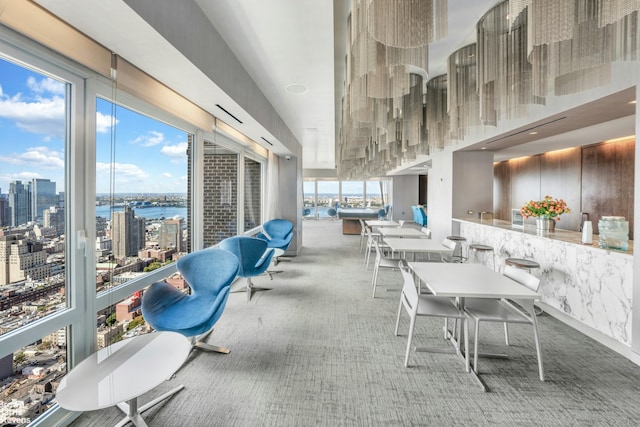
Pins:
x: 352, y: 194
x: 37, y: 103
x: 309, y: 198
x: 320, y: 195
x: 94, y: 206
x: 141, y: 209
x: 328, y: 196
x: 377, y: 194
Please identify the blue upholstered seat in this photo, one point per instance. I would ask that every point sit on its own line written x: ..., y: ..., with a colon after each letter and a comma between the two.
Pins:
x: 209, y: 274
x: 278, y: 233
x: 419, y: 216
x: 254, y: 256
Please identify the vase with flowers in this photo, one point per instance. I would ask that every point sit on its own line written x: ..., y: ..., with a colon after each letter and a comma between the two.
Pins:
x: 546, y: 211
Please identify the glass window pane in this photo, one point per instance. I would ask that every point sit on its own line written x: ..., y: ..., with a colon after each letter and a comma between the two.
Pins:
x: 352, y: 195
x: 141, y: 194
x: 32, y: 178
x: 252, y: 194
x: 328, y: 197
x: 309, y: 197
x: 30, y: 376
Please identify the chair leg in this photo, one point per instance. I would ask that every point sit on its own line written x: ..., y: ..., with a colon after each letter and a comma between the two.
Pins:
x: 538, y: 349
x: 409, y: 339
x: 210, y: 347
x: 374, y: 281
x: 506, y: 333
x: 475, y: 347
x: 251, y: 288
x: 466, y: 344
x: 198, y: 342
x: 398, y: 318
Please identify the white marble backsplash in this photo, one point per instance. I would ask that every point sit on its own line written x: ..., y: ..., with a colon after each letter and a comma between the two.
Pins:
x: 592, y: 285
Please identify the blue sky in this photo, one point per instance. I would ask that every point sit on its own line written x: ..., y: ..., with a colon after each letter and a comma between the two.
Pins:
x: 150, y: 156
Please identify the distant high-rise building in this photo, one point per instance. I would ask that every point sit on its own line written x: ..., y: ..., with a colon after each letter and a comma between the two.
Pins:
x: 4, y: 211
x: 43, y: 196
x: 20, y: 202
x: 127, y: 233
x: 54, y: 218
x: 171, y: 234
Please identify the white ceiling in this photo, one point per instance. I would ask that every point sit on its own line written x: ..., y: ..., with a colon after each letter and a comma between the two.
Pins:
x: 279, y: 43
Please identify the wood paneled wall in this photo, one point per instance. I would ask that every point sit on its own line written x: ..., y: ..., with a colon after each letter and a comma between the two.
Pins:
x: 502, y: 191
x: 597, y: 179
x: 560, y: 178
x: 607, y: 181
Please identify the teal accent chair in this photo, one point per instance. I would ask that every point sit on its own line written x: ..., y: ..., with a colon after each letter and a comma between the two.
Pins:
x: 209, y: 274
x: 278, y: 233
x: 254, y: 256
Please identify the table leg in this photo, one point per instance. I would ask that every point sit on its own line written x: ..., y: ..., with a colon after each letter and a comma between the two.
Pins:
x: 134, y: 413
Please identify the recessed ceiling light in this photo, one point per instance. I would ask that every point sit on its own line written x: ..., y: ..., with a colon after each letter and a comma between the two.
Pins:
x: 533, y: 133
x: 632, y: 102
x: 296, y: 88
x: 483, y: 148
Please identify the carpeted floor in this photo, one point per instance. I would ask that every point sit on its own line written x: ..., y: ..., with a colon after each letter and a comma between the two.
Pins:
x: 318, y: 350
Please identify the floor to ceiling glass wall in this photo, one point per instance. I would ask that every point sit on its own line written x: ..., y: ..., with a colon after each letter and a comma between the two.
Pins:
x: 327, y: 196
x: 95, y: 205
x: 310, y: 201
x: 141, y: 210
x: 36, y: 282
x: 322, y: 195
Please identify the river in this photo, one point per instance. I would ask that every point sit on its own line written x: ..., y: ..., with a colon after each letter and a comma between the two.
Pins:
x: 153, y: 212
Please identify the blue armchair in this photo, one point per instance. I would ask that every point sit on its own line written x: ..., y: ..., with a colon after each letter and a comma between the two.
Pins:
x: 209, y: 274
x: 419, y: 216
x: 254, y: 256
x: 278, y: 233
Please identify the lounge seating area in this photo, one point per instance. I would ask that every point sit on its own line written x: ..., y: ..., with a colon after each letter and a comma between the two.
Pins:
x: 318, y: 347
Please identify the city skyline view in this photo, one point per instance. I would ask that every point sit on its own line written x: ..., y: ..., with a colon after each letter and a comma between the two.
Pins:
x: 149, y: 156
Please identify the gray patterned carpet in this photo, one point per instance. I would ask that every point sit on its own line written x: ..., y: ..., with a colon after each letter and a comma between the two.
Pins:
x: 318, y: 350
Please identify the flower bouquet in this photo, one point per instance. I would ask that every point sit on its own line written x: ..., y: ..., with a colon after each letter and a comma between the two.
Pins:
x: 545, y: 208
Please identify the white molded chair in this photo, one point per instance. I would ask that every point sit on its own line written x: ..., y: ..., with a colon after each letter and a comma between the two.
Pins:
x: 517, y: 311
x: 454, y: 246
x: 371, y: 238
x: 381, y: 262
x: 363, y: 233
x: 426, y: 231
x: 426, y: 305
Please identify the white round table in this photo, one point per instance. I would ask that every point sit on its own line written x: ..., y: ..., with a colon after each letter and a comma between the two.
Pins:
x: 122, y: 372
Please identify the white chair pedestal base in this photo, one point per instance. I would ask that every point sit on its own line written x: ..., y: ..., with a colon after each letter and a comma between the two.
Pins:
x: 249, y: 289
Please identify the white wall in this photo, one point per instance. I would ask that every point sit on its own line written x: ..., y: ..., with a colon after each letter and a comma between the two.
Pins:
x: 472, y: 183
x: 405, y: 194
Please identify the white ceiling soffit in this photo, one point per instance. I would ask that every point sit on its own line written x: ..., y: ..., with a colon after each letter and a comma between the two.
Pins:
x: 143, y: 46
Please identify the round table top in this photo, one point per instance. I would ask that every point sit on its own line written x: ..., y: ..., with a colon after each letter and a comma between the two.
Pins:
x: 521, y: 263
x: 122, y: 371
x: 457, y: 238
x: 479, y: 247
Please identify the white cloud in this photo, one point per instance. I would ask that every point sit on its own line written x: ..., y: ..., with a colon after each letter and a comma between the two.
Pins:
x: 167, y: 175
x: 124, y: 172
x: 178, y: 151
x: 104, y: 122
x: 150, y: 139
x: 46, y: 85
x: 45, y: 116
x: 20, y: 176
x: 37, y: 157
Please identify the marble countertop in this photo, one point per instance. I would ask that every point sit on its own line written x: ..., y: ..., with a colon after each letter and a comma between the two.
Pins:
x: 568, y: 236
